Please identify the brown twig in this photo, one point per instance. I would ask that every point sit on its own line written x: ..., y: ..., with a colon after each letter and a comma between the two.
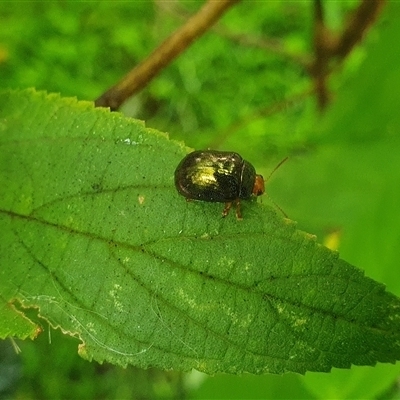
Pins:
x: 270, y: 45
x: 328, y: 46
x: 140, y: 76
x: 267, y: 44
x: 362, y: 18
x: 322, y: 45
x: 262, y: 112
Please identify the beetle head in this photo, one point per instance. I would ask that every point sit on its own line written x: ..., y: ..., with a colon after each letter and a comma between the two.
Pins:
x: 259, y: 186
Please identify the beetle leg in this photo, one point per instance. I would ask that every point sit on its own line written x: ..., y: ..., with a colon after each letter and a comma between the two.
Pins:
x: 227, y: 208
x: 238, y: 212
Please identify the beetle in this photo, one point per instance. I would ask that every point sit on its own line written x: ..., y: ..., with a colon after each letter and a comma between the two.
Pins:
x: 218, y: 176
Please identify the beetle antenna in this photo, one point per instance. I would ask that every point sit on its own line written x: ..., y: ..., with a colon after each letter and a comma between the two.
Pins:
x: 272, y: 172
x: 269, y: 197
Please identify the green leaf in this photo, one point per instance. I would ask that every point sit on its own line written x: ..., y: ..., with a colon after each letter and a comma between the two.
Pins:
x: 14, y: 323
x: 94, y: 236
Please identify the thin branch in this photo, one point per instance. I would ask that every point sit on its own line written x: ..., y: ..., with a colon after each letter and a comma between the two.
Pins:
x: 260, y: 113
x: 328, y: 46
x: 267, y: 44
x: 362, y: 18
x: 142, y: 74
x: 322, y: 45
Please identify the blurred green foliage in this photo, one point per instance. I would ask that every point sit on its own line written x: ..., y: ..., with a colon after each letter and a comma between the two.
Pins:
x: 341, y: 180
x: 80, y: 49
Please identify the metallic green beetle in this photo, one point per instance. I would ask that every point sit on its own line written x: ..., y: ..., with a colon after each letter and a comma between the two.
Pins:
x: 218, y: 176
